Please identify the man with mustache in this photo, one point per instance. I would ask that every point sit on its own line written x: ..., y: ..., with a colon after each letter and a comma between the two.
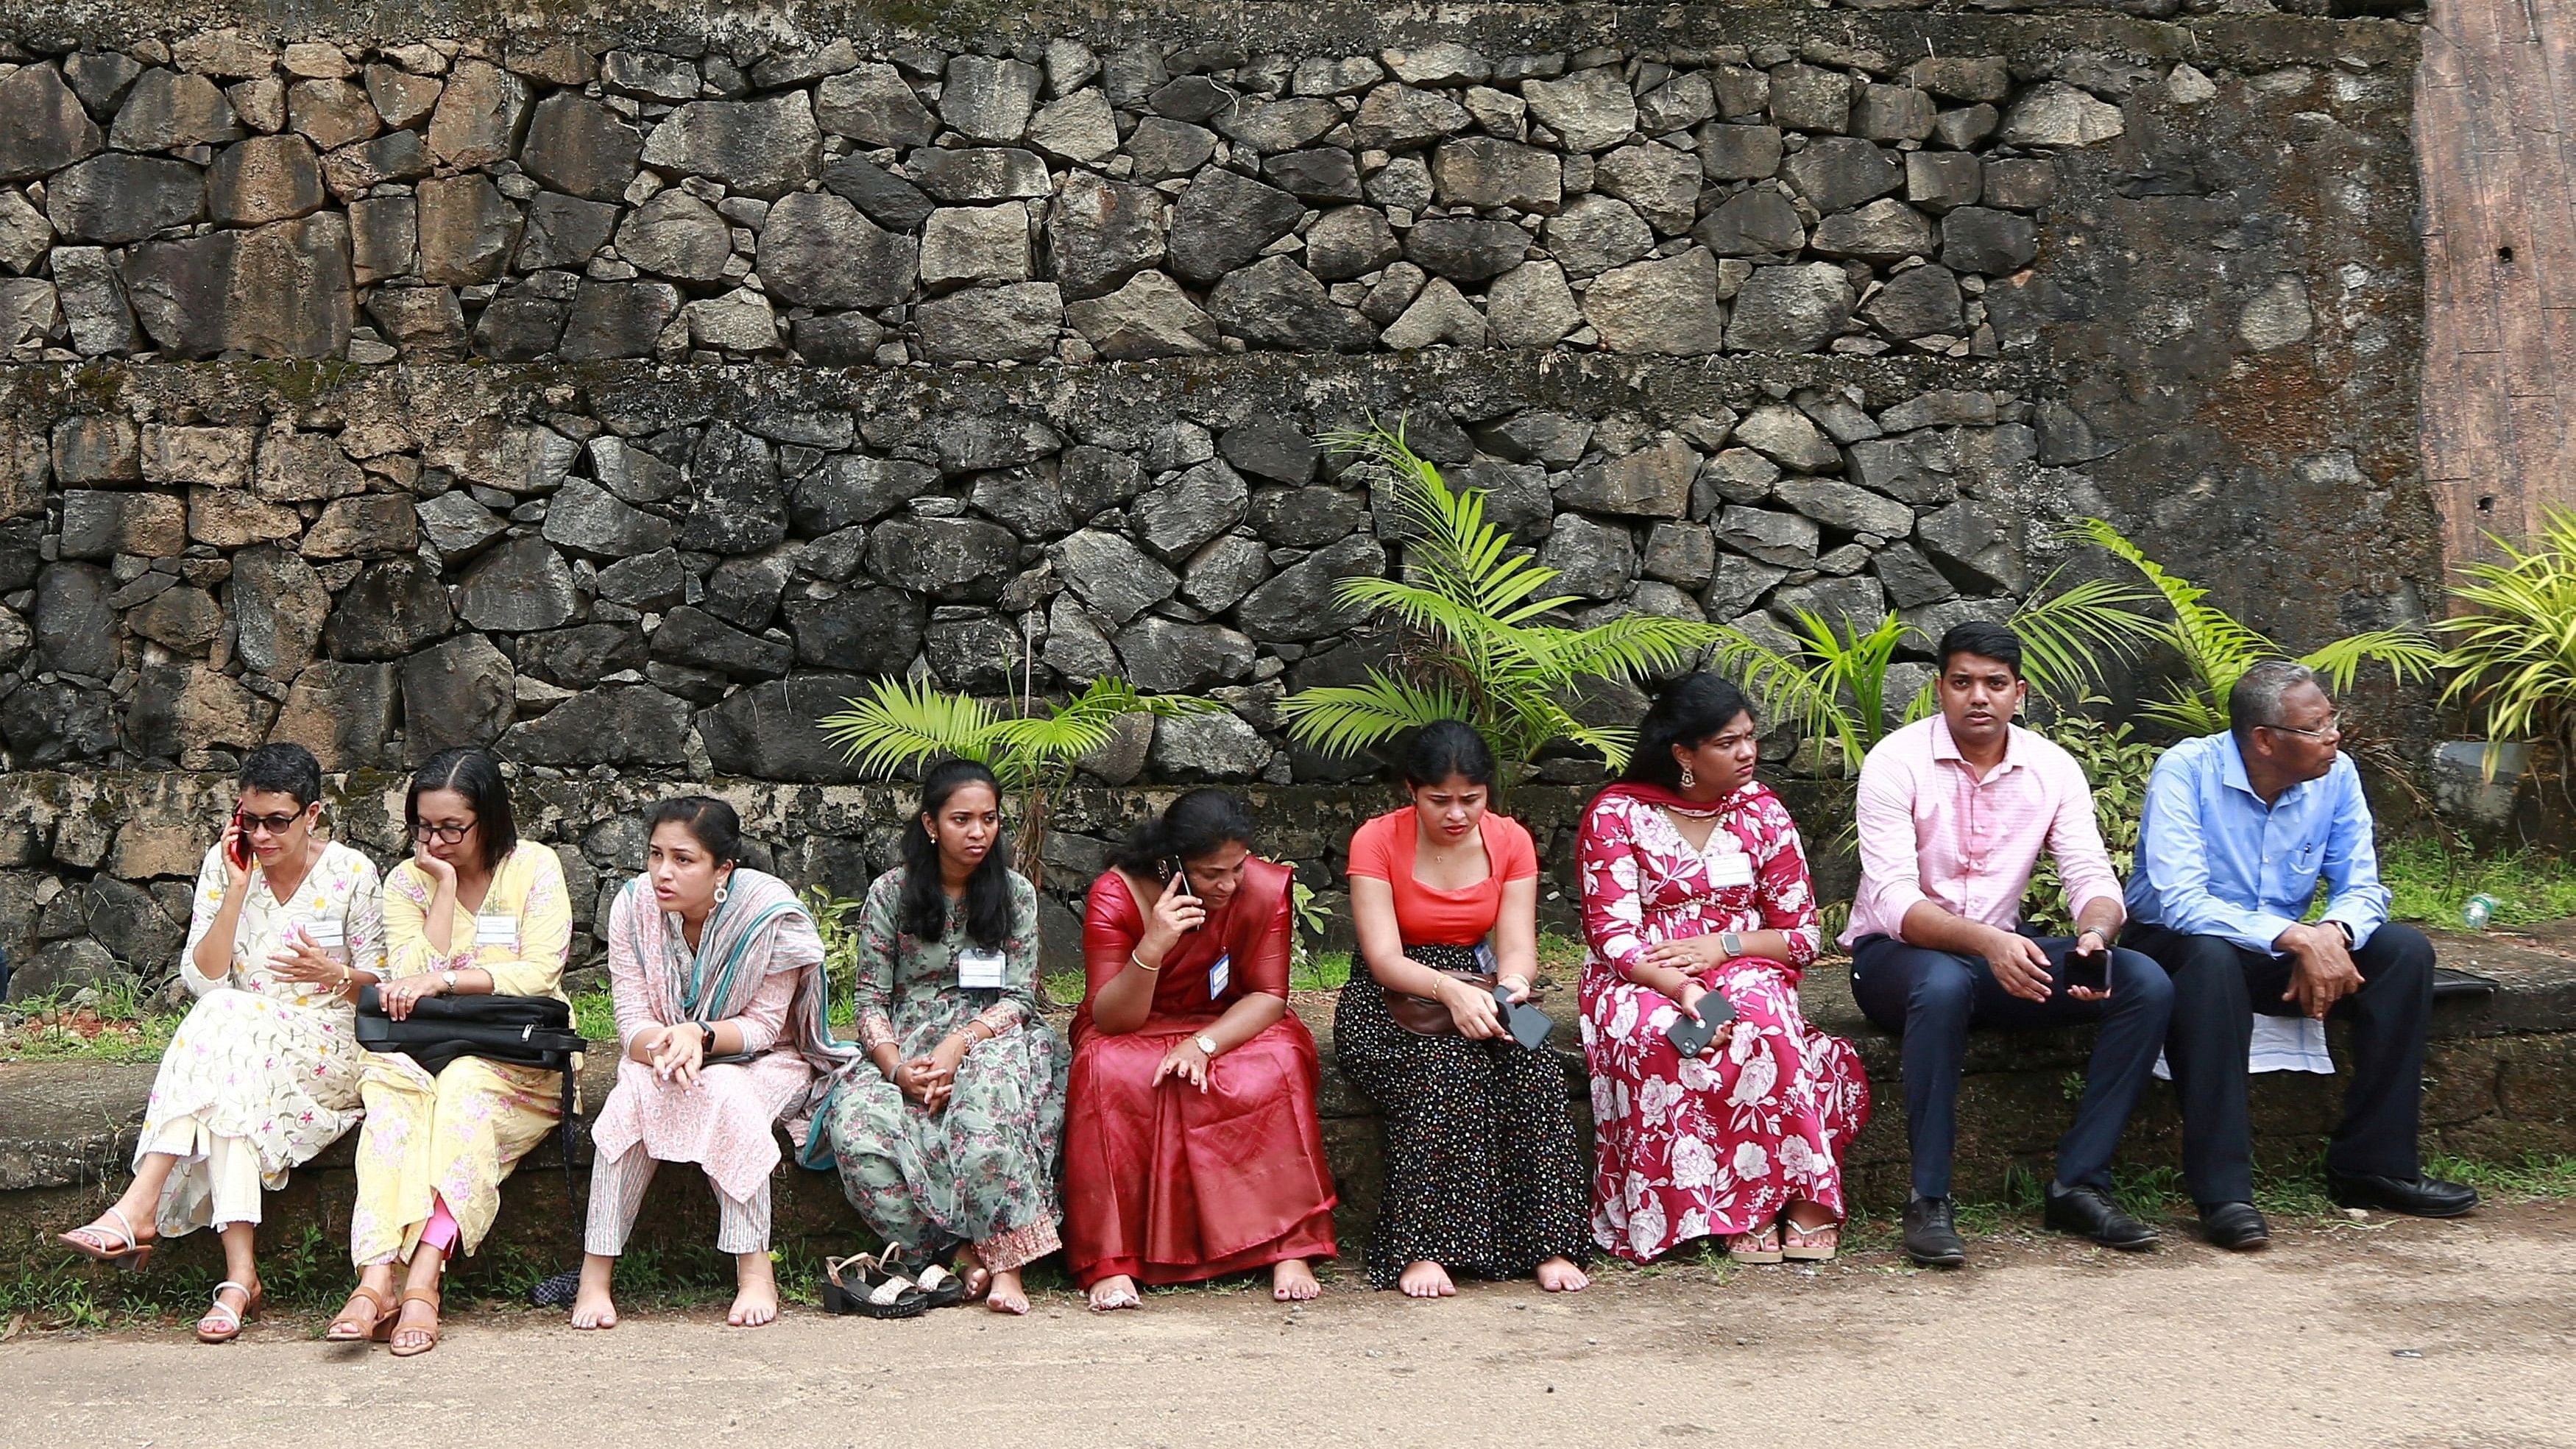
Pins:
x: 1954, y: 811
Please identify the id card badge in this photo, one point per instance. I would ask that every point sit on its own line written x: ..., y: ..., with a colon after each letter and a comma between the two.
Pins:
x: 1487, y: 963
x: 329, y: 936
x: 501, y: 932
x: 979, y: 968
x: 1732, y: 869
x: 1220, y: 976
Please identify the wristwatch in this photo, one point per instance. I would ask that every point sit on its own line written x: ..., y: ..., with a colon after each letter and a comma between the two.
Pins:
x: 1206, y: 1045
x: 2346, y: 928
x: 1731, y: 943
x: 447, y: 983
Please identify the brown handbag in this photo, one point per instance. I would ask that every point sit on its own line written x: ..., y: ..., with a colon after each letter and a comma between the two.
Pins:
x: 1424, y: 1015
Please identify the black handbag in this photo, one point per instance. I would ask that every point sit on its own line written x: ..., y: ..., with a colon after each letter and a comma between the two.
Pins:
x: 522, y: 1031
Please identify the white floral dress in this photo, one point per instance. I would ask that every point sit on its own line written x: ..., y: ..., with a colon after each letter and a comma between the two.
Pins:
x: 263, y: 1072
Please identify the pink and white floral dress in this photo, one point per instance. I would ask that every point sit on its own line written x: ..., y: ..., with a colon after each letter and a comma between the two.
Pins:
x: 1709, y: 1146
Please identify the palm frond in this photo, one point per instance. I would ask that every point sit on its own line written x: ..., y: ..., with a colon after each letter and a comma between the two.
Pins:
x: 1343, y: 719
x: 2409, y: 655
x: 899, y: 723
x: 2068, y: 636
x: 1625, y: 647
x: 2213, y: 643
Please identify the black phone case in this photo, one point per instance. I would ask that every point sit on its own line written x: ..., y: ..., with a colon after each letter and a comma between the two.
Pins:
x: 1528, y: 1025
x: 2093, y: 973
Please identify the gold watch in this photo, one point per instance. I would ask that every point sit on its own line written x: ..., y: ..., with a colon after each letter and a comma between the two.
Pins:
x: 1206, y: 1045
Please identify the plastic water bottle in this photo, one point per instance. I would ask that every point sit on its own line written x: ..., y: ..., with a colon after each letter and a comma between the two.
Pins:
x: 2477, y: 910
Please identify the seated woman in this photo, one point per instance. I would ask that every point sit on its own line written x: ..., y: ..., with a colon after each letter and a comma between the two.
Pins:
x: 475, y: 911
x: 947, y: 1131
x: 1191, y: 1143
x: 1694, y: 882
x: 1482, y: 1174
x: 263, y: 1071
x: 707, y: 959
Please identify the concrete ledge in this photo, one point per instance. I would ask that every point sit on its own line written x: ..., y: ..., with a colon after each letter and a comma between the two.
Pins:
x: 2500, y: 1082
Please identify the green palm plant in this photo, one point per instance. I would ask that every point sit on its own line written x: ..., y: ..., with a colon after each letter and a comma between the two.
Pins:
x: 899, y: 724
x: 2217, y: 649
x: 2514, y: 652
x: 1473, y: 610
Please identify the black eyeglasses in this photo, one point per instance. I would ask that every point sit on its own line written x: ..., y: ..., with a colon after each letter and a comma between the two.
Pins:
x: 273, y: 824
x: 443, y: 834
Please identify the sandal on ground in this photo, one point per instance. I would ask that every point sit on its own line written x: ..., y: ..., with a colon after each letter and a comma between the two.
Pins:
x: 1760, y: 1248
x: 942, y: 1288
x: 348, y: 1329
x: 221, y: 1324
x: 860, y: 1284
x: 93, y: 1243
x: 414, y: 1350
x: 1810, y: 1245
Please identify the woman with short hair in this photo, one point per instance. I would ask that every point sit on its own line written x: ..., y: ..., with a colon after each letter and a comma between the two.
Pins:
x: 1192, y: 1147
x: 1695, y: 891
x: 946, y: 1132
x: 263, y: 1072
x: 1482, y: 1171
x: 715, y: 971
x: 475, y: 911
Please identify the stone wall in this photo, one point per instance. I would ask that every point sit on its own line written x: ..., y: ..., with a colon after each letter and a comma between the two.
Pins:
x: 623, y: 393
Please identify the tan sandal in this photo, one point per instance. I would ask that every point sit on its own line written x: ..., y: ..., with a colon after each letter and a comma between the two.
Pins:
x: 1758, y: 1248
x: 378, y: 1325
x: 1810, y: 1245
x: 411, y: 1296
x: 221, y: 1324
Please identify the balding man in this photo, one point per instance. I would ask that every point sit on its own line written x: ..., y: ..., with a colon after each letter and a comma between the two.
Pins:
x: 2238, y: 829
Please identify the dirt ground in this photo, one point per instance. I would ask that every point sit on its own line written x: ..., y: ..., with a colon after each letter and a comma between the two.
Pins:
x: 2352, y: 1334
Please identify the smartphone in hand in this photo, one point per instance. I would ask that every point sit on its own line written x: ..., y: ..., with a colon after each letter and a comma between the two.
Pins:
x: 1528, y: 1025
x: 239, y: 850
x: 2090, y: 970
x: 1689, y: 1037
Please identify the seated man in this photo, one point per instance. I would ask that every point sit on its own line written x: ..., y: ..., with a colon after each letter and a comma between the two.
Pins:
x: 1954, y: 811
x: 2238, y: 828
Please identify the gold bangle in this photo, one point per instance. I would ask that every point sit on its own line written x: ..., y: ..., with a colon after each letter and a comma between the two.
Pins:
x: 1139, y: 963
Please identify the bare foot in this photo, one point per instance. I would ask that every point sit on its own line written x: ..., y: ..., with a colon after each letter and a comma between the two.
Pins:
x: 1291, y: 1281
x: 1113, y: 1293
x: 1006, y: 1295
x: 592, y: 1307
x: 1559, y: 1275
x: 755, y: 1299
x: 1426, y: 1279
x: 971, y: 1271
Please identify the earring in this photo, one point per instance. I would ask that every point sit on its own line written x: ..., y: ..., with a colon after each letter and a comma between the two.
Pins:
x: 720, y: 895
x: 1688, y: 779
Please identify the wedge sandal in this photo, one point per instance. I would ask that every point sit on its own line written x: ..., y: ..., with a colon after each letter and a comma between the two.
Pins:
x: 347, y: 1329
x: 861, y: 1285
x: 943, y: 1288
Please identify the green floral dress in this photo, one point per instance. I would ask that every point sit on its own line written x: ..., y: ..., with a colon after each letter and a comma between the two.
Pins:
x: 983, y: 1169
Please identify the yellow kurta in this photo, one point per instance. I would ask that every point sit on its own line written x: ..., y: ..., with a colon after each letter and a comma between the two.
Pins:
x: 457, y: 1135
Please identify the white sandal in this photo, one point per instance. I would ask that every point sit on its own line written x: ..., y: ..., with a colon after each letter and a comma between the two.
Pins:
x: 129, y: 1258
x: 221, y: 1324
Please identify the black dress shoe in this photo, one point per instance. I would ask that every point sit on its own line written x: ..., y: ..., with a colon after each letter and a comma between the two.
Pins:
x: 1931, y: 1238
x: 2425, y: 1197
x: 2235, y: 1226
x: 2089, y: 1212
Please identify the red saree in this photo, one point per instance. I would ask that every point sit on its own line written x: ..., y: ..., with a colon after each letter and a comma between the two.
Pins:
x: 1168, y: 1184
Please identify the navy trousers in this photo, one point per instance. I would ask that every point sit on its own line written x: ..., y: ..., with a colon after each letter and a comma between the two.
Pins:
x: 1934, y: 998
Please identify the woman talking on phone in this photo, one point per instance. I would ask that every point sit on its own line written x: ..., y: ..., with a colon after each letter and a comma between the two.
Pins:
x: 1698, y: 914
x: 263, y: 1072
x: 1191, y: 1145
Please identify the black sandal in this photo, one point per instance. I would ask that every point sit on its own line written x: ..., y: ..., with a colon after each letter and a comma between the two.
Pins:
x: 872, y: 1291
x: 942, y: 1288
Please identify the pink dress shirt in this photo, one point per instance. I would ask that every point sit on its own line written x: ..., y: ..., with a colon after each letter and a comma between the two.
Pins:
x: 1930, y: 830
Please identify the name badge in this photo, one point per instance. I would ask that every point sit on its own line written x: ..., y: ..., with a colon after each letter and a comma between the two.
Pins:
x: 1730, y: 870
x: 501, y: 931
x: 979, y: 969
x: 1487, y: 963
x: 1220, y: 976
x: 327, y: 933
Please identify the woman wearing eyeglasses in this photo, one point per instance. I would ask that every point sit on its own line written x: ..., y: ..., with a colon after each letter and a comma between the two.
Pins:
x: 475, y: 911
x: 263, y: 1072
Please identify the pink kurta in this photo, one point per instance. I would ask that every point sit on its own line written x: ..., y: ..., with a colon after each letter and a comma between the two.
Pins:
x: 1705, y: 1147
x: 725, y: 1121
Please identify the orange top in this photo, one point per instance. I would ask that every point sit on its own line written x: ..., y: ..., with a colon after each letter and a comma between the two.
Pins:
x: 1382, y: 849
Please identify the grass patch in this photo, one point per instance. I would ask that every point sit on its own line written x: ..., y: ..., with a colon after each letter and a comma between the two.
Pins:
x: 2430, y: 881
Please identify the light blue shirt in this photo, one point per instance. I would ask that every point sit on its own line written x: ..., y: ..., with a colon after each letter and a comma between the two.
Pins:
x: 2214, y: 860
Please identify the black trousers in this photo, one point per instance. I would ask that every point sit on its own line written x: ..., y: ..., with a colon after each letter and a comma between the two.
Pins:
x: 2218, y: 985
x: 1933, y: 997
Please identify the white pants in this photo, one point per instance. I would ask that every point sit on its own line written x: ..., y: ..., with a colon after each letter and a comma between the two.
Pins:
x: 617, y: 1193
x: 216, y: 1179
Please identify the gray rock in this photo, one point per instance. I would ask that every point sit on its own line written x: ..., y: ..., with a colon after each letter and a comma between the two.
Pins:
x: 1100, y: 234
x: 1300, y: 603
x: 632, y: 473
x: 377, y: 525
x: 1018, y: 322
x: 478, y: 115
x: 1758, y: 222
x: 1940, y: 407
x: 1837, y: 172
x: 954, y: 560
x: 1275, y: 303
x: 980, y: 174
x: 873, y: 105
x: 384, y: 238
x: 1739, y: 584
x: 1319, y: 177
x: 817, y: 250
x: 1916, y: 468
x: 1940, y: 180
x: 864, y: 630
x: 1350, y: 241
x: 652, y: 582
x: 331, y: 112
x: 228, y: 518
x: 51, y: 724
x: 1677, y: 105
x: 2054, y: 113
x: 1684, y: 554
x: 1094, y: 479
x: 618, y: 319
x: 2278, y: 316
x: 1841, y: 505
x: 737, y: 506
x: 1224, y: 220
x: 75, y: 627
x: 520, y: 586
x: 1213, y: 746
x: 456, y: 525
x: 30, y: 313
x: 282, y: 290
x: 676, y: 235
x: 100, y: 77
x: 589, y: 519
x: 343, y: 713
x: 164, y: 112
x: 1983, y: 240
x: 580, y: 146
x: 1853, y: 604
x: 92, y: 297
x: 1112, y: 575
x: 1791, y: 308
x: 1590, y: 110
x: 1271, y: 448
x: 1079, y: 128
x: 887, y: 199
x: 525, y: 321
x: 974, y: 442
x: 1785, y: 433
x: 48, y: 130
x: 1967, y: 126
x: 1218, y: 576
x: 1191, y: 98
x: 1305, y: 517
x: 1024, y: 499
x: 764, y: 732
x: 1662, y: 183
x: 1179, y: 516
x: 1399, y: 118
x: 126, y: 920
x: 401, y: 98
x: 100, y: 525
x: 1653, y: 482
x: 351, y: 170
x: 1786, y: 539
x: 1149, y: 317
x: 1917, y: 302
x: 989, y: 100
x: 1403, y: 182
x: 1481, y: 171
x: 63, y: 967
x: 1837, y: 412
x: 2024, y: 183
x: 1165, y: 148
x: 1893, y: 113
x: 1272, y: 127
x: 1595, y: 233
x: 1516, y: 498
x: 119, y: 198
x: 97, y: 448
x: 1395, y: 290
x: 391, y: 609
x: 763, y: 148
x: 467, y: 231
x: 1962, y: 77
x: 632, y: 725
x: 696, y: 639
x: 1592, y: 560
x: 264, y: 179
x: 1667, y: 306
x: 839, y: 339
x: 1162, y: 656
x: 1965, y: 537
x: 1439, y: 314
x: 976, y: 243
x: 1466, y: 249
x: 24, y: 233
x: 654, y: 77
x: 1885, y: 230
x: 1531, y: 306
x: 1739, y: 153
x: 1910, y: 578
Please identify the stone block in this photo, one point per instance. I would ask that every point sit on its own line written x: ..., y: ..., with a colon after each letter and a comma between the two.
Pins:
x: 763, y: 148
x: 1667, y: 306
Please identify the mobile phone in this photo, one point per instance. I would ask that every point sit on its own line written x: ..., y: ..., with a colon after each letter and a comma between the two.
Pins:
x: 2090, y: 970
x: 1173, y: 870
x: 1689, y: 1037
x: 239, y: 849
x: 1528, y: 1025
